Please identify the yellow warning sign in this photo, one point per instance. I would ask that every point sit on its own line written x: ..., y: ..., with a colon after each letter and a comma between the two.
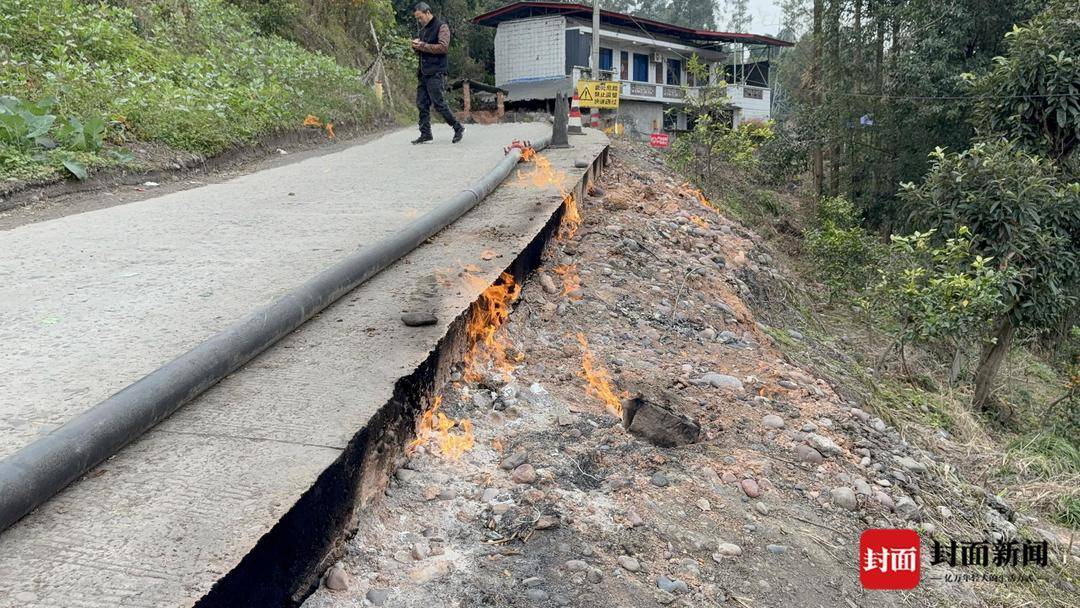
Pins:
x: 598, y: 94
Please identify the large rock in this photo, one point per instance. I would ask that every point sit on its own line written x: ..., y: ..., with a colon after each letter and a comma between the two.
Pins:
x: 719, y: 381
x: 727, y: 550
x: 844, y: 498
x: 337, y: 579
x: 630, y: 564
x: 377, y: 597
x: 910, y: 464
x: 772, y: 421
x: 524, y: 473
x: 750, y: 488
x: 419, y: 319
x: 809, y: 454
x: 657, y: 423
x: 823, y: 444
x: 906, y: 508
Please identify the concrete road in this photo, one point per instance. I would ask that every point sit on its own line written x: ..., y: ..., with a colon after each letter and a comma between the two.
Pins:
x: 91, y: 302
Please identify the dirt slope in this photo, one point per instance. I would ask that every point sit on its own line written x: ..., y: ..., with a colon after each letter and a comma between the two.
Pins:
x: 557, y: 505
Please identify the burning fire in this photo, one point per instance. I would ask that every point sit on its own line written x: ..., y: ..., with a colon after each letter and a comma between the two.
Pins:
x: 694, y: 192
x: 543, y: 176
x: 701, y: 199
x: 599, y: 380
x: 437, y: 424
x: 488, y: 314
x: 571, y: 280
x: 699, y: 221
x: 571, y: 219
x: 527, y: 155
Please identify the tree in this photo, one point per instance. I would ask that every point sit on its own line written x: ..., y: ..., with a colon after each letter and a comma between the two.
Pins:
x: 653, y: 9
x: 884, y: 88
x: 793, y: 25
x: 739, y: 17
x: 472, y: 53
x: 1022, y: 213
x: 1032, y: 94
x: 937, y: 295
x: 699, y: 14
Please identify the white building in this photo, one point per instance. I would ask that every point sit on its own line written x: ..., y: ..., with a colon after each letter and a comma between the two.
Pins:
x: 544, y: 47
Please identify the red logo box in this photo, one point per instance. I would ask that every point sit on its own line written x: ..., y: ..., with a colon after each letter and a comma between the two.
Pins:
x: 890, y: 559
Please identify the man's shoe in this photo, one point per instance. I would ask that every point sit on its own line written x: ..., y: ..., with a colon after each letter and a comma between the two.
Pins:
x: 423, y: 139
x: 458, y: 133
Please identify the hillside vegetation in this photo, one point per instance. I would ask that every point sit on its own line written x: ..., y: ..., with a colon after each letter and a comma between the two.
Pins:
x: 82, y: 81
x: 942, y: 294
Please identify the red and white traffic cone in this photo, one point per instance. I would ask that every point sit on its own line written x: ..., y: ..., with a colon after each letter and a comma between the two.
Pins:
x: 595, y: 122
x: 574, y: 126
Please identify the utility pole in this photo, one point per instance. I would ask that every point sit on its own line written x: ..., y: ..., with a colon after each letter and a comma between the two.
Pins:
x: 595, y: 40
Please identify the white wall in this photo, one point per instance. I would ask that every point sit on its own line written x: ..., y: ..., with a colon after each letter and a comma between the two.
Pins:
x: 530, y: 48
x: 749, y: 108
x: 639, y: 116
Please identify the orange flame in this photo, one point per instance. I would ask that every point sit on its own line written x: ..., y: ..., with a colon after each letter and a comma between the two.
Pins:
x: 451, y: 446
x: 571, y: 219
x: 487, y: 315
x: 330, y: 130
x: 699, y: 221
x: 543, y: 176
x: 571, y: 280
x: 423, y: 431
x: 701, y: 199
x: 599, y: 380
x: 527, y: 155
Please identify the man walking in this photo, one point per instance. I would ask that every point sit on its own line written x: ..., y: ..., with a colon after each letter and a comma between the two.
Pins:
x: 432, y: 44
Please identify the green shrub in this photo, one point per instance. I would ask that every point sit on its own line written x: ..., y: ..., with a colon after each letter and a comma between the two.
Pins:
x: 197, y: 75
x: 24, y: 125
x: 784, y: 156
x: 844, y: 255
x: 945, y: 294
x: 29, y: 136
x: 1023, y: 212
x: 1030, y: 94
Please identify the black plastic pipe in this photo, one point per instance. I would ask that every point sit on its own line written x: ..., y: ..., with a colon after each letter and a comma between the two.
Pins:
x: 38, y: 471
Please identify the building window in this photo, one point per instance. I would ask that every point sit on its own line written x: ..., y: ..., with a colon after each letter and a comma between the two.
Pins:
x: 624, y: 72
x: 641, y: 67
x: 674, y: 71
x: 605, y: 59
x: 671, y: 121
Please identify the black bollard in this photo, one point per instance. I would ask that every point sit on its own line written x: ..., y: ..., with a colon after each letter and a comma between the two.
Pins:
x: 559, y: 137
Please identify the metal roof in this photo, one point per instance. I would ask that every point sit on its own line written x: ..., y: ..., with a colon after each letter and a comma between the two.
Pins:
x: 521, y: 10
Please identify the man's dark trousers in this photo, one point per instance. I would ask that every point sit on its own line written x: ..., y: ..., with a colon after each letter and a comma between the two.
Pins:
x: 429, y: 92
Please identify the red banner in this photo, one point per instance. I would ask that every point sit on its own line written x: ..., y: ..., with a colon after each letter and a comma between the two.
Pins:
x: 659, y: 140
